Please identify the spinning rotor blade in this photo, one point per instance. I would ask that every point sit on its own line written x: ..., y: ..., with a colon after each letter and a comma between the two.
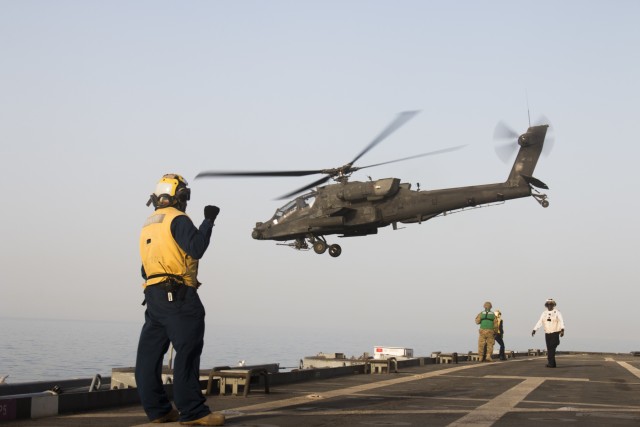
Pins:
x: 506, y: 151
x: 402, y: 118
x: 503, y: 131
x: 549, y: 143
x: 257, y: 173
x: 430, y: 153
x: 549, y: 140
x: 343, y: 171
x: 306, y: 187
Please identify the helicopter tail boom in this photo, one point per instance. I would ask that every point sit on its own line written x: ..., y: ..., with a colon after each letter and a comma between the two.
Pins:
x: 531, y: 144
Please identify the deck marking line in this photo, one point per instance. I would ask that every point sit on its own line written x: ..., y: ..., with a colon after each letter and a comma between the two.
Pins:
x: 352, y: 390
x: 635, y: 371
x: 516, y: 377
x: 487, y: 414
x: 334, y: 412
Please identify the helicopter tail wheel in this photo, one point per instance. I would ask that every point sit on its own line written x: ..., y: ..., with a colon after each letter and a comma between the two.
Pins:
x: 335, y: 250
x: 542, y: 199
x: 319, y: 247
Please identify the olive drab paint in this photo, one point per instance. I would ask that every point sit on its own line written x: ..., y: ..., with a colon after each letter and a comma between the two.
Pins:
x: 352, y: 209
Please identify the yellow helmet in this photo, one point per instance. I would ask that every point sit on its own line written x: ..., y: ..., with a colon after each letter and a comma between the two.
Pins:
x: 171, y: 190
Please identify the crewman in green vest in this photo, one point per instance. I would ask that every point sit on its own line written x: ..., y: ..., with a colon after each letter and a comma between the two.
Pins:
x: 487, y: 321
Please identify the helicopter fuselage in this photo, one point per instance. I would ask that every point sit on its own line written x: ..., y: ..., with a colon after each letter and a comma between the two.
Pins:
x: 350, y: 209
x: 353, y: 208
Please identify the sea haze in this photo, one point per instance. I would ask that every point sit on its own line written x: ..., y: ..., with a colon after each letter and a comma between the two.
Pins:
x: 41, y: 349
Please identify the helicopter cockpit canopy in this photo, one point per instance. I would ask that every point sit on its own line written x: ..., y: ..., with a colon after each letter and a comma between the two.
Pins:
x: 301, y: 202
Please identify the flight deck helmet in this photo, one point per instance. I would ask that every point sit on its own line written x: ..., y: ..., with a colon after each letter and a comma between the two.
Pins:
x: 171, y: 190
x: 550, y: 304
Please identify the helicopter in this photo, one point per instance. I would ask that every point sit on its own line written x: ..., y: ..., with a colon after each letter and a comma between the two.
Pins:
x: 354, y: 208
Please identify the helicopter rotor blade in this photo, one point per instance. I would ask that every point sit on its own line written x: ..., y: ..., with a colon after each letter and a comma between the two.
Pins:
x: 503, y: 131
x: 549, y: 141
x: 400, y: 120
x: 306, y: 187
x: 430, y: 153
x: 506, y: 151
x: 209, y: 174
x: 542, y: 120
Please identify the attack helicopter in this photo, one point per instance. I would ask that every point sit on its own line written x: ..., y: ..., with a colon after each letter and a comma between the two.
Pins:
x: 354, y: 208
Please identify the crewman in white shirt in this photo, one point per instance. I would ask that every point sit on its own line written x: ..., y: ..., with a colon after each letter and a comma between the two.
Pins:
x: 553, y: 330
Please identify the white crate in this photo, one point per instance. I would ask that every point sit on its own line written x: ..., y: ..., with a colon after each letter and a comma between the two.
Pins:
x: 380, y: 352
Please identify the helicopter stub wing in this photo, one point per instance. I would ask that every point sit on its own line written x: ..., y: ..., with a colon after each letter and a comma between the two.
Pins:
x: 341, y: 211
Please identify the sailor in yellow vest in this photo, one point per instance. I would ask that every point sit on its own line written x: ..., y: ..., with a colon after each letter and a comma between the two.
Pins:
x: 487, y: 321
x: 498, y: 334
x: 170, y: 247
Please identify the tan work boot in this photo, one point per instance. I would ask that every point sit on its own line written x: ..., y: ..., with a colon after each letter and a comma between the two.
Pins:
x: 170, y: 417
x: 213, y: 419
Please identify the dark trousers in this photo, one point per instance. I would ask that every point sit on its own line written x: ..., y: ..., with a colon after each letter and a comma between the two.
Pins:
x: 500, y: 342
x: 553, y: 341
x: 180, y: 322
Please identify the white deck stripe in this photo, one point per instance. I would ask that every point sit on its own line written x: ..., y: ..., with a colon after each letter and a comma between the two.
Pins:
x: 493, y: 410
x: 334, y: 412
x: 519, y: 377
x: 635, y: 371
x: 352, y: 390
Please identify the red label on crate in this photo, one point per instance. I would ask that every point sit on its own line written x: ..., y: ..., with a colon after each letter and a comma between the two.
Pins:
x: 378, y: 350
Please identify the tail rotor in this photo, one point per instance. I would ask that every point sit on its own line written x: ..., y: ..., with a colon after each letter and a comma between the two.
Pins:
x: 507, y: 139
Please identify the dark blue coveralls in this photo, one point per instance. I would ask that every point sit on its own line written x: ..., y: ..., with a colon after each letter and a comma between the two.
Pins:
x: 498, y: 337
x: 180, y: 322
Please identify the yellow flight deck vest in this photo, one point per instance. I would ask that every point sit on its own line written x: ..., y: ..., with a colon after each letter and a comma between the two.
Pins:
x: 162, y: 257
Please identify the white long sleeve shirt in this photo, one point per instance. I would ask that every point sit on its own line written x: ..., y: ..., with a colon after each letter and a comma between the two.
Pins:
x: 551, y: 320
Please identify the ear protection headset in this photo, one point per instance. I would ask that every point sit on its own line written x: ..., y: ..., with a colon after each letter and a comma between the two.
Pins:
x: 171, y: 189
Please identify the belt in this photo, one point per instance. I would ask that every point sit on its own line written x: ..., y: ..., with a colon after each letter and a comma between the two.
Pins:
x: 175, y: 290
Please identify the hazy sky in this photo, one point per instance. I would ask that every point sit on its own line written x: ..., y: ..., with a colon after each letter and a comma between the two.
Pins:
x: 99, y: 99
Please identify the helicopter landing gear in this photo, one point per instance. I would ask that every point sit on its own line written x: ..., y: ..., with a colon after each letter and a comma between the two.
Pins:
x: 318, y: 242
x: 335, y: 250
x: 541, y: 198
x: 319, y: 247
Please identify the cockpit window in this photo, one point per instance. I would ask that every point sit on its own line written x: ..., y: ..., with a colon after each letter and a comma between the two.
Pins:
x: 308, y: 199
x: 286, y: 209
x: 301, y: 202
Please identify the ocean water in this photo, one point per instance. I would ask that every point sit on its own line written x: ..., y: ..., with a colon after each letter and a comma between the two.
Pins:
x: 39, y: 349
